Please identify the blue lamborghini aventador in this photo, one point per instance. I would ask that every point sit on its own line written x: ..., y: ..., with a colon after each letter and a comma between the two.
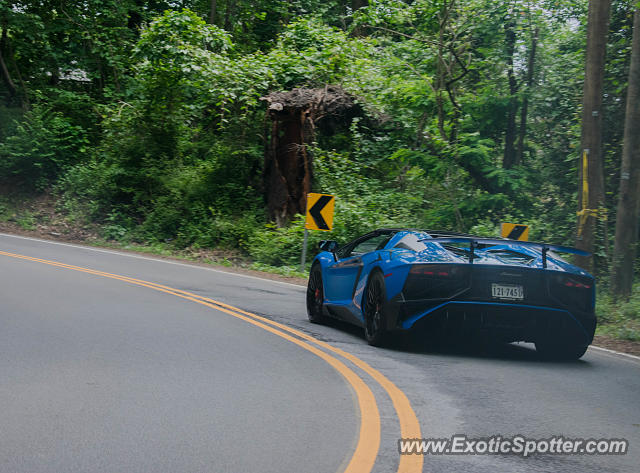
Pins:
x: 401, y: 279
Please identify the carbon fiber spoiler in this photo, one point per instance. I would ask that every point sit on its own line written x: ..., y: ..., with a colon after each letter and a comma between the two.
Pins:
x: 476, y: 242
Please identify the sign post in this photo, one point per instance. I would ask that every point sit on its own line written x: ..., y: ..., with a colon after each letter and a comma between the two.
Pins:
x: 319, y: 217
x: 304, y: 250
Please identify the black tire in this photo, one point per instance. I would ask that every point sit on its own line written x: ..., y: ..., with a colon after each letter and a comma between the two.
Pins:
x: 315, y: 296
x: 558, y: 351
x: 375, y: 329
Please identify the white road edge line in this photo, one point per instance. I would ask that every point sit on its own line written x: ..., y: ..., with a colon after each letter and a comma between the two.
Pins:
x: 634, y: 358
x: 160, y: 260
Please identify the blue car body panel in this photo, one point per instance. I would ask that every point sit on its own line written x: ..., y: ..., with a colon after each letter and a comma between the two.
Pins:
x: 345, y: 275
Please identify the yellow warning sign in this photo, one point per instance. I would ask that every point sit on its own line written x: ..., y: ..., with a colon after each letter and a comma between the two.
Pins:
x: 320, y: 212
x: 515, y: 231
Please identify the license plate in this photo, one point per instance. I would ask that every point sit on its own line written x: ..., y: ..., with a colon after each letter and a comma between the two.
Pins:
x: 507, y: 291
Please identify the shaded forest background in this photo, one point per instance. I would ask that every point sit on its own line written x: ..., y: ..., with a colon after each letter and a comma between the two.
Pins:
x: 152, y: 119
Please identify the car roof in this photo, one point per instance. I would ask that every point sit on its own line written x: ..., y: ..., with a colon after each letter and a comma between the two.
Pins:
x: 433, y: 233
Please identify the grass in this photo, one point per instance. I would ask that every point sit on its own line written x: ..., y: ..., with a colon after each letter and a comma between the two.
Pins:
x: 26, y: 221
x: 4, y: 211
x: 617, y: 318
x: 10, y: 212
x: 289, y: 271
x: 115, y: 237
x: 161, y: 249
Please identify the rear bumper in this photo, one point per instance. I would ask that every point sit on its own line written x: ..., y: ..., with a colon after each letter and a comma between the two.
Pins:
x: 508, y: 322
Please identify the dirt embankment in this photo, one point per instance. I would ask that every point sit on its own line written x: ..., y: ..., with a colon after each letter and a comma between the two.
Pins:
x: 39, y: 218
x: 625, y: 346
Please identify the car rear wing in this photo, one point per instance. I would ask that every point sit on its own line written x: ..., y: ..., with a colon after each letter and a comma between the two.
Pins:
x: 476, y: 242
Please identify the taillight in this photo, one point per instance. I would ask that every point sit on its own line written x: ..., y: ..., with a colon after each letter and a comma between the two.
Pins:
x: 578, y: 284
x: 436, y: 281
x: 434, y: 270
x: 428, y: 272
x: 572, y: 290
x: 573, y: 281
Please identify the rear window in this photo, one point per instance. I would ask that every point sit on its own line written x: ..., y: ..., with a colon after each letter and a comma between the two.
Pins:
x: 372, y: 244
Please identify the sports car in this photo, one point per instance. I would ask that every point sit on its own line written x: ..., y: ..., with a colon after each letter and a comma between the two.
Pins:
x: 444, y: 282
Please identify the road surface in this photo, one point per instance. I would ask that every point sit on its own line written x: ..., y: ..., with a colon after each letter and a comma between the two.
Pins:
x: 118, y: 362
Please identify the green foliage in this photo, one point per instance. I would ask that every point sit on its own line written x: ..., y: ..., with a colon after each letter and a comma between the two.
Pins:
x: 278, y: 246
x: 178, y: 35
x: 89, y: 191
x: 44, y: 144
x: 620, y: 319
x: 311, y: 53
x: 9, y: 118
x: 26, y: 221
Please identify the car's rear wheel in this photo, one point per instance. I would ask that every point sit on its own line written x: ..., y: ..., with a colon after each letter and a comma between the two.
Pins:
x: 560, y: 351
x: 375, y: 330
x: 315, y: 295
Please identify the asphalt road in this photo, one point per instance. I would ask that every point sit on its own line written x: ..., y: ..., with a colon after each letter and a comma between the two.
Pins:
x: 105, y: 374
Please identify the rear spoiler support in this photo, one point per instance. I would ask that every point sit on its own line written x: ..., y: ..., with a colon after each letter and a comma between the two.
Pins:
x: 472, y: 250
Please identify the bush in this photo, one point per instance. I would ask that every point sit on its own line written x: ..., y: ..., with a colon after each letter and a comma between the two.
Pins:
x: 89, y: 190
x: 278, y: 246
x: 44, y: 144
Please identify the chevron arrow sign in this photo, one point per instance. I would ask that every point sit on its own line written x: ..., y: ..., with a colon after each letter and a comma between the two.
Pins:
x: 514, y: 231
x: 320, y: 212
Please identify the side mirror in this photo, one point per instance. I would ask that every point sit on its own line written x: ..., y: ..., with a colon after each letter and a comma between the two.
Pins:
x: 328, y: 245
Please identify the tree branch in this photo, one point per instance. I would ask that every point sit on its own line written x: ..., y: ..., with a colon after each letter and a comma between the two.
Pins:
x: 448, y: 84
x: 399, y: 33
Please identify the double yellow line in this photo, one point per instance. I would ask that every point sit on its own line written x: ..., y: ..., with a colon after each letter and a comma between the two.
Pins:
x: 366, y: 450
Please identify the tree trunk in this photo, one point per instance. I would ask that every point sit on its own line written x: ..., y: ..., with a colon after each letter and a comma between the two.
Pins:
x: 212, y: 12
x: 6, y: 75
x: 355, y: 6
x: 287, y: 168
x: 26, y: 104
x: 624, y: 252
x: 525, y: 101
x: 295, y: 117
x: 591, y: 139
x: 508, y: 158
x: 358, y: 4
x: 229, y: 13
x: 439, y: 83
